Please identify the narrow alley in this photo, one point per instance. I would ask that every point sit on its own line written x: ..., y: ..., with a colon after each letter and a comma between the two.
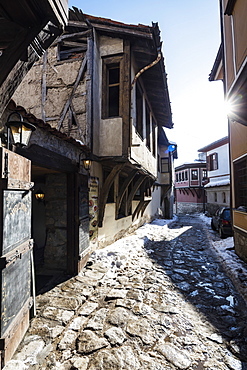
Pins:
x: 157, y: 299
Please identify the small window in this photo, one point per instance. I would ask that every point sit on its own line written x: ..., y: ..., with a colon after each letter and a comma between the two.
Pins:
x: 215, y: 197
x: 139, y: 110
x: 212, y: 162
x: 240, y: 182
x: 164, y: 165
x: 147, y: 126
x: 111, y: 81
x: 113, y: 90
x: 154, y: 137
x: 177, y: 177
x: 224, y: 197
x: 194, y: 174
x: 182, y: 176
x: 186, y: 175
x: 158, y: 162
x: 204, y: 174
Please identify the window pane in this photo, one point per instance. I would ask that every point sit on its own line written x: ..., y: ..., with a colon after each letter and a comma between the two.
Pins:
x: 113, y: 101
x: 164, y: 165
x: 194, y: 175
x: 114, y: 75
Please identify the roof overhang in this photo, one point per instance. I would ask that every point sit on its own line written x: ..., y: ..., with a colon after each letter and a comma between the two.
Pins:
x: 145, y: 47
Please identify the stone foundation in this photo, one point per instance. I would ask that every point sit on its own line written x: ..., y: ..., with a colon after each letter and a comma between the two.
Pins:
x: 240, y: 243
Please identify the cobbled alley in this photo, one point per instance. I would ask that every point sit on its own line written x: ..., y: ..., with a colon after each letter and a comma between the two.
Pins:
x: 157, y: 299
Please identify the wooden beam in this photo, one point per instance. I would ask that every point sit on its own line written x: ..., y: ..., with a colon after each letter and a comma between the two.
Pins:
x: 126, y: 97
x: 74, y: 35
x: 43, y: 89
x: 134, y: 190
x: 105, y: 190
x: 68, y: 102
x: 77, y: 123
x: 123, y: 190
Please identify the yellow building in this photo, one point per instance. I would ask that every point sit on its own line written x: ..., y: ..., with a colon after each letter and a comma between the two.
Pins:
x: 231, y: 67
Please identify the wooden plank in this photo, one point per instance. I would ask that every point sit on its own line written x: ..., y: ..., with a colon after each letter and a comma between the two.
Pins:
x: 114, y: 29
x: 126, y: 98
x: 15, y: 290
x: 44, y: 87
x: 12, y: 338
x: 74, y: 35
x: 14, y: 166
x: 15, y: 254
x: 105, y: 190
x: 16, y: 218
x: 90, y: 98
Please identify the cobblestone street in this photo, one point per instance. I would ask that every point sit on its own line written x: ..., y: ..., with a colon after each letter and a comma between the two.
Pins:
x: 161, y: 302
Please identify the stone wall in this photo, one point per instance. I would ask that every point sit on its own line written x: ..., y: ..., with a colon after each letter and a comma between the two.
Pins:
x: 189, y: 207
x: 55, y: 255
x: 240, y: 243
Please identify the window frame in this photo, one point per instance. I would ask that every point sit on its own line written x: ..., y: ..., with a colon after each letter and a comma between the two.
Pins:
x: 167, y: 164
x: 192, y: 175
x: 109, y: 63
x: 212, y: 162
x: 240, y: 182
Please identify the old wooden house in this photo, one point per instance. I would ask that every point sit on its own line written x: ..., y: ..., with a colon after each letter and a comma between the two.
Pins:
x: 27, y: 28
x: 231, y: 67
x: 189, y: 187
x: 103, y: 83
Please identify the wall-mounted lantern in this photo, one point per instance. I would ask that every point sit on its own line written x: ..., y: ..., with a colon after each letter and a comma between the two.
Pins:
x: 40, y: 195
x: 87, y: 162
x: 20, y: 130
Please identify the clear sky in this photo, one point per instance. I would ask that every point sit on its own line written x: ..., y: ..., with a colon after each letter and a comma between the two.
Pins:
x: 190, y: 32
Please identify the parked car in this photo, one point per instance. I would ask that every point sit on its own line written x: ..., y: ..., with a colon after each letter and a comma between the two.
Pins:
x: 221, y: 222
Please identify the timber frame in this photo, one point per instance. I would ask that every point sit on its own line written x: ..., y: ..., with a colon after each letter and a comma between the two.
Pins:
x: 27, y: 29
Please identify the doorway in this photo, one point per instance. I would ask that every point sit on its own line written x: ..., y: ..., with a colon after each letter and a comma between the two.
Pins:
x: 49, y: 226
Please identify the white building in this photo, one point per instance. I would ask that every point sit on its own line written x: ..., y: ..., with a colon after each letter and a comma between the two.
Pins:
x: 218, y: 187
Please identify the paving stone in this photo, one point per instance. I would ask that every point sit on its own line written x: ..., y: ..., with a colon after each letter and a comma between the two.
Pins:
x: 98, y: 320
x: 177, y: 357
x: 135, y: 294
x: 88, y: 342
x: 77, y: 323
x: 31, y: 350
x: 116, y: 293
x: 15, y: 365
x: 140, y: 327
x: 80, y: 363
x: 171, y: 309
x: 86, y: 281
x: 116, y: 359
x: 115, y: 335
x: 68, y: 340
x: 95, y: 275
x: 88, y: 308
x: 119, y: 316
x: 67, y: 303
x: 56, y: 314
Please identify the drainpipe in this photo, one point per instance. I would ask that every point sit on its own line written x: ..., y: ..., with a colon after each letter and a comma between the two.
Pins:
x: 145, y: 68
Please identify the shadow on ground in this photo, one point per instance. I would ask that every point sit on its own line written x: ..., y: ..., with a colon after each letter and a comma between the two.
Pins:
x: 193, y: 268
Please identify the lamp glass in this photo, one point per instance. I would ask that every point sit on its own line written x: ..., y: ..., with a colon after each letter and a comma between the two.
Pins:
x: 87, y: 164
x: 40, y: 195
